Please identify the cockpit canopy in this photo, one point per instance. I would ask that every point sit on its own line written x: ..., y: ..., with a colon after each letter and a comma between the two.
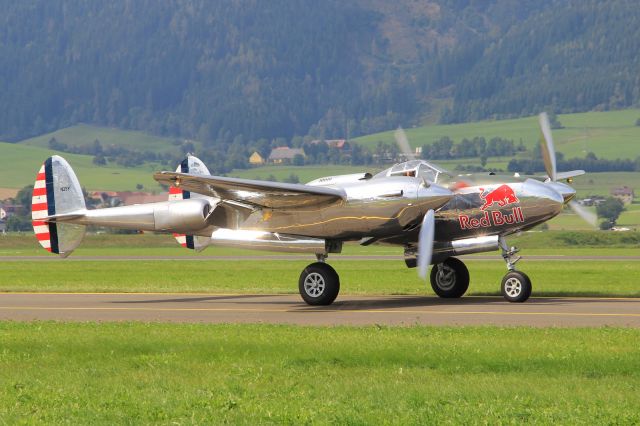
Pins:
x: 415, y: 168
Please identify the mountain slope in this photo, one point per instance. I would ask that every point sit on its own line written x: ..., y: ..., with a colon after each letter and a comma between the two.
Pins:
x: 211, y: 71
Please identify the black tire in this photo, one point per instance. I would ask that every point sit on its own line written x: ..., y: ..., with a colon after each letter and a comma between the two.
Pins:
x: 452, y: 280
x: 516, y: 287
x: 319, y: 284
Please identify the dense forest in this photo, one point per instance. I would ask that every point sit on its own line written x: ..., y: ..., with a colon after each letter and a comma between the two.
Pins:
x: 229, y: 72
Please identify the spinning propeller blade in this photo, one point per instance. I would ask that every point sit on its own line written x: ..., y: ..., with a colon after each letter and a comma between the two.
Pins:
x: 425, y: 243
x: 403, y: 143
x: 549, y: 157
x: 548, y: 151
x: 588, y: 216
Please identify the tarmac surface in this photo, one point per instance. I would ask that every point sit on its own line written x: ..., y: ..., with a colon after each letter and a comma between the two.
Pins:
x: 347, y: 310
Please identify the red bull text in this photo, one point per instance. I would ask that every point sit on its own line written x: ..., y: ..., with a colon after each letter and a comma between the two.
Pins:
x: 493, y: 218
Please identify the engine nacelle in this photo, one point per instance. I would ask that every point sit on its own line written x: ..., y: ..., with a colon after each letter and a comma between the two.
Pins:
x: 181, y: 216
x: 446, y: 249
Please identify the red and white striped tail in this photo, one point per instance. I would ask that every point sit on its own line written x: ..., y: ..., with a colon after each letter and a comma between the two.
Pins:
x: 193, y: 165
x: 57, y: 193
x: 46, y: 233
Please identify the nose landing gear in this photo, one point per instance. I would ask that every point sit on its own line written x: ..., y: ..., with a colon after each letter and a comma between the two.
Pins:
x: 516, y: 286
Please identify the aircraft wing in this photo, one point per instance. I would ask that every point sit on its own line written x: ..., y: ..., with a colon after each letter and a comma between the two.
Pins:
x: 273, y: 195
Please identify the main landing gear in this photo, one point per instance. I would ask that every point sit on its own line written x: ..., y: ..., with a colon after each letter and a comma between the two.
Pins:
x: 450, y: 278
x: 319, y: 283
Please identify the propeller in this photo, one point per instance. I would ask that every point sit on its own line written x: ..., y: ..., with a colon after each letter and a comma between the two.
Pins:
x: 425, y: 243
x: 403, y: 143
x: 588, y: 216
x: 548, y: 151
x: 549, y: 158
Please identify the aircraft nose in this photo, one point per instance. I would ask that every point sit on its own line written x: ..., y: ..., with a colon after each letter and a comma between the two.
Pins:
x: 434, y: 196
x: 566, y: 191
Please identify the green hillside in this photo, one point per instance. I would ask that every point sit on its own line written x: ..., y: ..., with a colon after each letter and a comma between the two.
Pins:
x: 19, y: 165
x: 611, y: 134
x: 85, y: 135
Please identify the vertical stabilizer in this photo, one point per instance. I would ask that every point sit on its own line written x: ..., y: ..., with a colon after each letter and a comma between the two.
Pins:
x: 193, y: 165
x: 57, y: 192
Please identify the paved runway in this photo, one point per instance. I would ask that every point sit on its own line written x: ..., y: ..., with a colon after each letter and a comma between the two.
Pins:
x: 289, y: 309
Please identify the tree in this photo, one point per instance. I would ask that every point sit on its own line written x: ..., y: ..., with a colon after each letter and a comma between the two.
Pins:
x: 99, y: 160
x: 554, y: 122
x: 298, y: 160
x: 610, y: 210
x: 638, y: 122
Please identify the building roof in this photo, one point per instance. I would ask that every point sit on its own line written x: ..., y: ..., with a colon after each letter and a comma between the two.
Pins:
x: 333, y: 143
x: 624, y: 190
x: 285, y: 153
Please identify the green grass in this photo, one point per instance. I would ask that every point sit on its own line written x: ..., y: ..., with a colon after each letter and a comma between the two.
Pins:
x: 84, y: 135
x: 114, y: 373
x: 19, y: 165
x: 358, y: 277
x: 610, y: 134
x: 212, y: 271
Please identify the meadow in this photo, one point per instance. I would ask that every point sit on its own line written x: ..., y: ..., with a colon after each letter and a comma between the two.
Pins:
x: 19, y: 165
x: 85, y: 134
x: 113, y: 373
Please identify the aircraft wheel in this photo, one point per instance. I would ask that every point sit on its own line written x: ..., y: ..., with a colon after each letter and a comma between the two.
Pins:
x: 319, y: 284
x: 451, y: 280
x: 516, y: 287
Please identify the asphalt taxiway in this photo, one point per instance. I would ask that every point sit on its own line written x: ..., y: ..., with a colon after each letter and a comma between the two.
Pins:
x: 347, y: 310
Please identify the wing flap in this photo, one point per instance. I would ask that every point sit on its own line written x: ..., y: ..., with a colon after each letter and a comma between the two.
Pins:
x: 274, y: 195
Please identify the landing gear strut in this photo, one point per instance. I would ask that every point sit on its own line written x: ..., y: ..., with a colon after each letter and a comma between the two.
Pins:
x: 516, y: 286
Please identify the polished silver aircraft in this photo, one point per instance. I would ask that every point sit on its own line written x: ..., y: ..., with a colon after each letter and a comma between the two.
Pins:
x: 415, y: 204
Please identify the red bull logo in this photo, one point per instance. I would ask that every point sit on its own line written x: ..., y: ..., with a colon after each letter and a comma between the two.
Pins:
x: 502, y: 195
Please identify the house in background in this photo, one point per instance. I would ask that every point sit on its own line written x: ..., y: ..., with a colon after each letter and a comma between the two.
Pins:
x: 624, y: 194
x: 256, y: 159
x: 284, y: 155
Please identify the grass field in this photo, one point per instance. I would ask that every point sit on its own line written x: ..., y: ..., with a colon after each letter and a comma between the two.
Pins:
x: 84, y: 135
x: 221, y: 275
x: 19, y: 165
x: 117, y: 373
x: 610, y: 134
x: 357, y: 277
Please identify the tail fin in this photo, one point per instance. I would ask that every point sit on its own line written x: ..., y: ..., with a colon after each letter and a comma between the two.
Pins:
x: 191, y: 164
x: 57, y: 192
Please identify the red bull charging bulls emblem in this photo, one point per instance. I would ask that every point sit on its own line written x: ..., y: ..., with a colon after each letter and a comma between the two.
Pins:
x: 501, y: 196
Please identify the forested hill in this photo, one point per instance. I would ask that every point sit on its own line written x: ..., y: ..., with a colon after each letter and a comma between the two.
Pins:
x: 214, y: 70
